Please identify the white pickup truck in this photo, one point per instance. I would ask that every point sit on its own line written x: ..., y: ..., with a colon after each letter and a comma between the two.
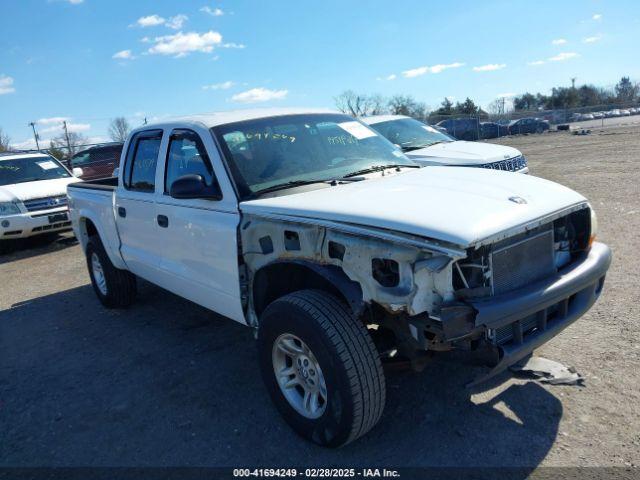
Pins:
x: 339, y: 251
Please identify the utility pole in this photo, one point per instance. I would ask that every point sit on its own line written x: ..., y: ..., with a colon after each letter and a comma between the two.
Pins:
x: 35, y: 134
x: 573, y: 82
x: 66, y: 134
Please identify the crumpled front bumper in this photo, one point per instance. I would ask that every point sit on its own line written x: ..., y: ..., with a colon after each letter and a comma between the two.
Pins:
x: 518, y: 322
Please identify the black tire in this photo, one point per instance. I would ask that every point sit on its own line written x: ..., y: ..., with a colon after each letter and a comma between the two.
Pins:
x: 346, y: 354
x: 121, y: 286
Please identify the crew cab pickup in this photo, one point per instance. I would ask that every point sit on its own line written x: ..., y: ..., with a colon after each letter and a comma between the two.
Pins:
x: 339, y: 250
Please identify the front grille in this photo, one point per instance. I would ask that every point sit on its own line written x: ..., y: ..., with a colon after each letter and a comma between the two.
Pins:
x: 509, y: 165
x: 522, y: 263
x: 46, y: 203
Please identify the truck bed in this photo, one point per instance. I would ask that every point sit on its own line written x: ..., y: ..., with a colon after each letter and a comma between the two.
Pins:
x: 93, y: 200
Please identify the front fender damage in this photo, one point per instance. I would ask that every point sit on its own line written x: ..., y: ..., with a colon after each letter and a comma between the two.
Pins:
x: 418, y: 279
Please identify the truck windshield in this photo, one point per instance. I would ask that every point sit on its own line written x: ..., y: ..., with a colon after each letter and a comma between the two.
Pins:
x: 298, y: 149
x: 30, y: 169
x: 410, y: 134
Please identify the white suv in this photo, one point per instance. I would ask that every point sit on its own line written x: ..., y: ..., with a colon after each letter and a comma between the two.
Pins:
x: 33, y: 195
x: 426, y: 145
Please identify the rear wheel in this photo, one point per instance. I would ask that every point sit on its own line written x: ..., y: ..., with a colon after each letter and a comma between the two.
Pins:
x: 320, y: 367
x: 114, y: 287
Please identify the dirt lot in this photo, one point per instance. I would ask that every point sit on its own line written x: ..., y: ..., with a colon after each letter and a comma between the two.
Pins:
x: 168, y: 383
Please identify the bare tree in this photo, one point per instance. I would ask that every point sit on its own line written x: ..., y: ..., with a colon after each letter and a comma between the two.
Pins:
x: 407, y: 105
x: 119, y: 129
x: 360, y: 105
x: 76, y: 141
x: 4, y: 141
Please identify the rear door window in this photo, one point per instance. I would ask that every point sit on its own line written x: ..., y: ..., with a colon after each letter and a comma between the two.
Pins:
x: 142, y: 160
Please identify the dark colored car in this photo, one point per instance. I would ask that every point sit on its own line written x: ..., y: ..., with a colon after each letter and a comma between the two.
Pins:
x: 493, y: 130
x: 461, y: 128
x: 97, y: 162
x: 528, y: 125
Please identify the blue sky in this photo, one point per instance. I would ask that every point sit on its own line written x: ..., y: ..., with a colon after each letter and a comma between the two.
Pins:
x: 91, y: 60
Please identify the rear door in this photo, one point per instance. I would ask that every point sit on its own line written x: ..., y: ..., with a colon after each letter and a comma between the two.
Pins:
x: 135, y: 207
x: 199, y: 237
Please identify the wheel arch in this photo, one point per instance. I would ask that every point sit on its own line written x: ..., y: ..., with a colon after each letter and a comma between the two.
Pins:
x: 88, y: 227
x: 282, y: 277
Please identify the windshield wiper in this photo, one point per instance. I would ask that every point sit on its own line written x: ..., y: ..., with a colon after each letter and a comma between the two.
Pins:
x: 418, y: 147
x: 292, y: 184
x: 378, y: 168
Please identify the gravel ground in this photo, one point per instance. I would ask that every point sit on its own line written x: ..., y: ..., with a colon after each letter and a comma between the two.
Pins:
x: 167, y: 383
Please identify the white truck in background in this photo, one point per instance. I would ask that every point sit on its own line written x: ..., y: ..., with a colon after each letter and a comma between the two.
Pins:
x: 340, y: 251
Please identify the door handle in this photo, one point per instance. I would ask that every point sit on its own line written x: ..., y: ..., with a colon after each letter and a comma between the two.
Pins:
x: 163, y: 221
x: 122, y: 212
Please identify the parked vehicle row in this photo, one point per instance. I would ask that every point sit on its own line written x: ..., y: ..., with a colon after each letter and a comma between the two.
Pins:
x: 472, y: 129
x: 580, y: 117
x: 339, y: 250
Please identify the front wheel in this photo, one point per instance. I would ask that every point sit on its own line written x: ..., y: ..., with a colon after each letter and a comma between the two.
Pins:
x: 320, y: 367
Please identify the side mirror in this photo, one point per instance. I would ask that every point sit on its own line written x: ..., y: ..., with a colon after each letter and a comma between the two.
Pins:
x: 77, y: 172
x: 194, y: 186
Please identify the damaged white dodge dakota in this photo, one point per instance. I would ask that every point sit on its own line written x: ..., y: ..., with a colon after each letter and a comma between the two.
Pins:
x: 339, y: 251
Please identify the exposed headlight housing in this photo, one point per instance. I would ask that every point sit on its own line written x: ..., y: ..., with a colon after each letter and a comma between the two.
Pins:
x: 594, y: 226
x: 8, y: 208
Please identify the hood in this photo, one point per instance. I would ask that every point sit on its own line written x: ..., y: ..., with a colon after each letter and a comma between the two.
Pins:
x: 39, y: 189
x: 462, y: 206
x: 462, y: 153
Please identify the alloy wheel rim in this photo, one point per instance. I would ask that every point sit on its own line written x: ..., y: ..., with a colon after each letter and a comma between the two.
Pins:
x: 98, y: 274
x: 299, y: 376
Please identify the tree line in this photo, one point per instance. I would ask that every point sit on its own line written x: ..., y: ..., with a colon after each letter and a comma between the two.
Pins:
x: 625, y: 92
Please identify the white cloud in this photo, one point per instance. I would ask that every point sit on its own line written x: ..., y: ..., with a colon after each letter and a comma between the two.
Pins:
x: 214, y: 12
x: 219, y: 86
x: 417, y: 72
x: 505, y: 95
x: 597, y: 16
x: 393, y: 76
x: 536, y: 63
x: 75, y: 2
x: 490, y: 67
x: 72, y: 127
x: 51, y: 120
x: 176, y: 22
x: 232, y: 45
x: 256, y: 95
x: 182, y: 44
x: 558, y: 41
x: 150, y: 21
x: 123, y: 55
x: 561, y: 57
x: 6, y: 85
x: 594, y: 39
x: 439, y: 68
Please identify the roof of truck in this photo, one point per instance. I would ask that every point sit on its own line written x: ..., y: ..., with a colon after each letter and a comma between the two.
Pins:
x: 381, y: 118
x: 222, y: 118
